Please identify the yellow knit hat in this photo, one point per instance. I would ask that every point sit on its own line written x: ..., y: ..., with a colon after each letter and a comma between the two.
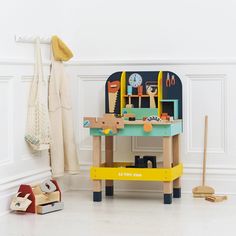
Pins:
x: 60, y: 51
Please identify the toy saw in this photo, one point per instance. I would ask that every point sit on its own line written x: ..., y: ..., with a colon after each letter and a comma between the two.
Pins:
x: 113, y: 88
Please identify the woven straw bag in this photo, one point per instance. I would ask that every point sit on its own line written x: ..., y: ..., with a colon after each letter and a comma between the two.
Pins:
x: 38, y: 124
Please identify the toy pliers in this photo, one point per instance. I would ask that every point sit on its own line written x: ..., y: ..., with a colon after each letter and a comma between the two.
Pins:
x: 170, y: 82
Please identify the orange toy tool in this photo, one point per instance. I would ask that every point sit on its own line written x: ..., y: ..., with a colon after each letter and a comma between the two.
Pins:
x: 140, y: 93
x: 147, y: 127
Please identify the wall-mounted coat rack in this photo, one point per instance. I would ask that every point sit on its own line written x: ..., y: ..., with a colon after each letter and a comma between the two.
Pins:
x: 31, y: 39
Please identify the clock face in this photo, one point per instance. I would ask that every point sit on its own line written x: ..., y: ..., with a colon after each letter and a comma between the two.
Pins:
x: 135, y: 80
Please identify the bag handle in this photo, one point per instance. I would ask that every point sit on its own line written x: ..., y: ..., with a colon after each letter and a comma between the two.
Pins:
x: 38, y: 60
x: 38, y: 72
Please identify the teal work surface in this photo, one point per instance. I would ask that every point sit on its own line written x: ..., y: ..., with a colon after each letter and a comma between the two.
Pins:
x: 137, y: 130
x: 140, y: 112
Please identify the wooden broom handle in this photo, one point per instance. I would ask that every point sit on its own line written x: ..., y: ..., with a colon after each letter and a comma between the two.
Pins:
x: 205, y: 150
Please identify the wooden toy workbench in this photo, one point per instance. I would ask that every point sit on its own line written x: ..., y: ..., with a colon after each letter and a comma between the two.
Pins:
x: 147, y: 104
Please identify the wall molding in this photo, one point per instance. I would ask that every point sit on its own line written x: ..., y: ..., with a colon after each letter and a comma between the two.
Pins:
x: 10, y: 114
x: 83, y: 78
x: 128, y: 62
x: 138, y: 148
x: 221, y: 78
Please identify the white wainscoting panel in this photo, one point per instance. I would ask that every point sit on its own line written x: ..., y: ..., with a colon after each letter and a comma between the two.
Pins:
x: 206, y: 97
x: 90, y: 103
x: 6, y: 119
x: 147, y: 144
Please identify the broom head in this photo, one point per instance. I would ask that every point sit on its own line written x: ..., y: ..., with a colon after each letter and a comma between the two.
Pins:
x: 203, y: 191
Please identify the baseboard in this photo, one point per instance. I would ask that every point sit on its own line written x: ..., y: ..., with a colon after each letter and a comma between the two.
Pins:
x: 223, y: 183
x: 9, y: 186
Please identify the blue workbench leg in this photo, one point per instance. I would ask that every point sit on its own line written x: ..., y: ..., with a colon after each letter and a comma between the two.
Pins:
x: 97, y: 184
x: 109, y: 163
x: 167, y: 163
x: 176, y: 161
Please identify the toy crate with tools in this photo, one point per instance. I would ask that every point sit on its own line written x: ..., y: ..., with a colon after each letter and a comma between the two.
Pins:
x: 40, y: 198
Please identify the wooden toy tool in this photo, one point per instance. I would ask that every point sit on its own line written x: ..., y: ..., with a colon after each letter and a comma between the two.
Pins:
x: 140, y: 93
x: 113, y: 88
x: 215, y: 198
x: 129, y: 92
x: 152, y: 94
x: 203, y: 190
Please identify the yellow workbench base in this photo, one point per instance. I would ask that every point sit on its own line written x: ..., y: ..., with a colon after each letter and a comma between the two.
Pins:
x: 119, y: 172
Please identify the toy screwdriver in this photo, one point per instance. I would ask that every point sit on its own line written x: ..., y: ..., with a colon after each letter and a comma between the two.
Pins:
x: 129, y: 92
x: 140, y: 93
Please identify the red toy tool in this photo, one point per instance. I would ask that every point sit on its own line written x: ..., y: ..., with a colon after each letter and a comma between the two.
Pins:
x: 170, y: 81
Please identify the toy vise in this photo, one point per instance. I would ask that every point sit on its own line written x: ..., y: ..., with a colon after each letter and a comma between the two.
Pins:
x: 108, y: 124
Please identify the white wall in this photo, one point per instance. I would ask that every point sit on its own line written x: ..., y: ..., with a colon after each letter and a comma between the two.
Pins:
x: 107, y: 30
x: 194, y: 39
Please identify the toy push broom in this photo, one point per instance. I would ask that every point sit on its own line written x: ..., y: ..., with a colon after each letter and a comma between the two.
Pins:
x: 203, y: 190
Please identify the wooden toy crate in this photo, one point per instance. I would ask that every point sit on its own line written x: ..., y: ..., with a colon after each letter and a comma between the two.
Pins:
x: 38, y: 197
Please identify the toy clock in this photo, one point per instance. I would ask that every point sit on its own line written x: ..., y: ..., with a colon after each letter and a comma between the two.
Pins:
x: 135, y: 80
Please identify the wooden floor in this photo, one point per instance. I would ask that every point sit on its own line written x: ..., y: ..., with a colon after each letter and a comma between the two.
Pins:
x: 128, y: 213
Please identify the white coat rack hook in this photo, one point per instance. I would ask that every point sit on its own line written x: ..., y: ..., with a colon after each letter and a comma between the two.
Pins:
x: 31, y: 39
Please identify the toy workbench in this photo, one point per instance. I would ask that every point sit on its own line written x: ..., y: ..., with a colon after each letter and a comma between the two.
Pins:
x: 144, y: 103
